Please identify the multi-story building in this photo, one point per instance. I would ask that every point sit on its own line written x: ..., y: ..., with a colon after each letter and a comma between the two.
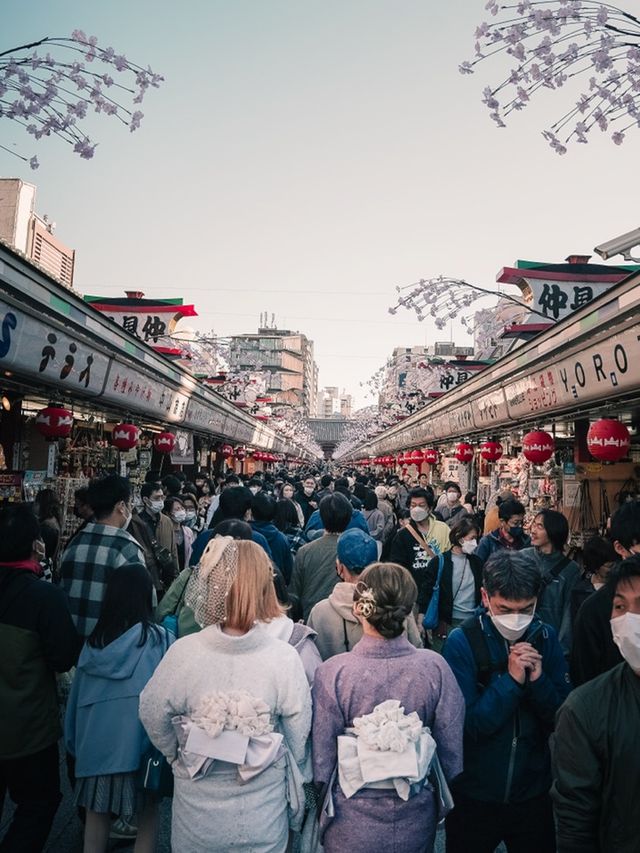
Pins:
x: 22, y: 229
x: 332, y: 404
x: 286, y: 359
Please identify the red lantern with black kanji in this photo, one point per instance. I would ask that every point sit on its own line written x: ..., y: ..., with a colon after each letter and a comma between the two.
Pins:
x: 240, y: 453
x: 54, y: 422
x: 417, y: 457
x: 463, y: 452
x: 164, y: 442
x: 538, y: 446
x: 431, y: 456
x: 491, y: 451
x: 125, y: 436
x: 608, y: 440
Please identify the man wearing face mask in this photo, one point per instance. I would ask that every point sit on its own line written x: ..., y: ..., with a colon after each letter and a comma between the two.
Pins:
x: 154, y: 533
x: 512, y: 672
x: 451, y: 510
x: 307, y: 498
x: 510, y: 533
x: 596, y: 748
x: 593, y: 651
x: 103, y: 546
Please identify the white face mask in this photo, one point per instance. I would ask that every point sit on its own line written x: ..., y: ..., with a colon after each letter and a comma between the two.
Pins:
x: 626, y: 635
x: 511, y: 625
x: 254, y: 489
x: 40, y: 550
x: 155, y: 506
x: 309, y: 490
x: 127, y: 521
x: 180, y: 515
x: 190, y: 515
x: 419, y: 513
x: 452, y: 497
x: 469, y: 546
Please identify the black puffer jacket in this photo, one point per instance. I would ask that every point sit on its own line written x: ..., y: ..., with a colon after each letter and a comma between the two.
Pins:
x: 445, y: 602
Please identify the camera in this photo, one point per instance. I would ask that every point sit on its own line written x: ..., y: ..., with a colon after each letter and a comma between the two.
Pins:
x: 620, y: 246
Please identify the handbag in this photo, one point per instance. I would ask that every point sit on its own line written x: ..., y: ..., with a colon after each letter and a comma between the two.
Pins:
x: 154, y: 774
x: 170, y: 621
x: 432, y: 615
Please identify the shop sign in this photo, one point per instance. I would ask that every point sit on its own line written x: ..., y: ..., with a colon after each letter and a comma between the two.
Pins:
x: 490, y: 409
x: 558, y: 299
x: 129, y: 387
x: 41, y: 351
x: 460, y: 419
x: 183, y: 453
x: 11, y: 487
x: 569, y: 469
x: 588, y: 375
x: 201, y: 416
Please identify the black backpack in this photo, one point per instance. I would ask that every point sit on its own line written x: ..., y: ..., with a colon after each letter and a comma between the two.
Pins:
x: 480, y: 649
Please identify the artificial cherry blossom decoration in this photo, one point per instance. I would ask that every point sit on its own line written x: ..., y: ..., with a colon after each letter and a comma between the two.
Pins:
x: 551, y: 42
x: 52, y: 93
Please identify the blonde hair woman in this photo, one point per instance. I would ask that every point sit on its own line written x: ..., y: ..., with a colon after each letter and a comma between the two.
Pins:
x: 230, y: 708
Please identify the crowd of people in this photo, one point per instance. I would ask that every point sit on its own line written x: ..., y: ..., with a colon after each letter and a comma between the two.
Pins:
x: 319, y: 661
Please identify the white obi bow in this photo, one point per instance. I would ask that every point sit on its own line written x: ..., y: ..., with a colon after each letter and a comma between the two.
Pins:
x: 385, y: 749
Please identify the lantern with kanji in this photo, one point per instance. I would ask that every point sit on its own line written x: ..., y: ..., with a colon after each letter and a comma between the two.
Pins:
x: 164, y: 442
x: 54, y: 422
x: 538, y: 446
x: 608, y: 440
x: 125, y: 436
x: 463, y: 452
x: 491, y: 451
x: 240, y: 453
x: 431, y: 456
x: 417, y: 457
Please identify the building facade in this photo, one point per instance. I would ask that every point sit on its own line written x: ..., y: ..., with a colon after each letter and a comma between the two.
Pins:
x: 286, y: 361
x: 22, y: 229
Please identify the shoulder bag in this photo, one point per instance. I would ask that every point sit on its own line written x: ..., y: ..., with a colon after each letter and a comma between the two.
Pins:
x: 432, y: 615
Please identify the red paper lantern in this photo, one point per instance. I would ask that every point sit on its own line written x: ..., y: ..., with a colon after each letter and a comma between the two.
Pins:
x: 125, y: 436
x: 54, y: 422
x: 226, y: 450
x: 491, y: 451
x: 608, y: 440
x: 538, y: 446
x: 431, y: 456
x: 417, y: 457
x: 164, y: 442
x: 257, y: 455
x: 240, y: 453
x: 463, y: 452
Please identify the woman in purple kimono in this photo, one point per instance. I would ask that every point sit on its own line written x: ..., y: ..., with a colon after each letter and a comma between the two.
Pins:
x: 382, y: 796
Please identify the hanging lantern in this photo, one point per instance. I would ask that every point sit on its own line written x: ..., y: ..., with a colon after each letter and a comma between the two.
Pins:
x: 226, y: 450
x: 417, y: 457
x: 491, y: 451
x: 608, y: 440
x: 257, y: 455
x: 240, y: 453
x: 430, y: 456
x: 164, y: 442
x: 125, y: 436
x: 463, y: 452
x: 538, y: 446
x: 54, y: 422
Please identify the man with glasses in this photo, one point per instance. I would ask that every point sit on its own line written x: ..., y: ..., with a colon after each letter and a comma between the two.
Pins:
x: 509, y: 534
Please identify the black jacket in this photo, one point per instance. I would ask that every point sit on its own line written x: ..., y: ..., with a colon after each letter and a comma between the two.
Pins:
x: 596, y: 766
x: 593, y: 651
x: 305, y: 504
x: 37, y: 639
x: 445, y: 602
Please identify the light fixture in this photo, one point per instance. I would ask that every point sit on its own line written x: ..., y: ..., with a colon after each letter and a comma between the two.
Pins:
x: 6, y: 403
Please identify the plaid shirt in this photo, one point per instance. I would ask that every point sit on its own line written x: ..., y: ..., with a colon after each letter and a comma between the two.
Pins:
x: 86, y: 565
x: 296, y: 538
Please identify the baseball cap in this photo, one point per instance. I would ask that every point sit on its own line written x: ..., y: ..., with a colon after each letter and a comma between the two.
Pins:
x: 356, y: 549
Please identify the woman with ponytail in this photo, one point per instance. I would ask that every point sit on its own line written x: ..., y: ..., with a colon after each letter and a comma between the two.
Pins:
x: 387, y: 719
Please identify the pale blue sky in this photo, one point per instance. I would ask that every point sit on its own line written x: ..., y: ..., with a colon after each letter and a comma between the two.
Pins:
x: 329, y: 149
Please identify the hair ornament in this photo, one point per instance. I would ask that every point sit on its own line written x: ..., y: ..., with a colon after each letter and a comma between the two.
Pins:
x: 364, y: 601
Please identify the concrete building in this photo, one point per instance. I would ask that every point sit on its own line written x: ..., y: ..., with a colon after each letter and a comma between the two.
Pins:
x: 332, y: 404
x: 286, y: 359
x: 21, y: 228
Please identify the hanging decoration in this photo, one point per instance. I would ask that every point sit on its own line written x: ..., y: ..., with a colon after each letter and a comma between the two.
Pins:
x: 125, y: 436
x: 240, y: 453
x: 164, y: 442
x: 54, y: 422
x: 491, y: 451
x: 463, y: 452
x: 538, y: 446
x: 608, y: 440
x: 431, y: 456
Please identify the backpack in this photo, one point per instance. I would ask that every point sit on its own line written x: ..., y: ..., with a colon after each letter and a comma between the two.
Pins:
x: 477, y: 640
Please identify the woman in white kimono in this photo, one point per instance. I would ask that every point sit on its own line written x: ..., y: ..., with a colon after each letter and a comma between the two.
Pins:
x: 230, y: 709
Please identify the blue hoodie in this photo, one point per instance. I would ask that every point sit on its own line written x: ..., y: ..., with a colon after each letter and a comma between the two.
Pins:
x: 102, y: 729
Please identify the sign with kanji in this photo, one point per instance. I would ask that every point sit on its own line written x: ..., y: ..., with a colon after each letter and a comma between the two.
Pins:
x: 558, y: 299
x: 151, y: 321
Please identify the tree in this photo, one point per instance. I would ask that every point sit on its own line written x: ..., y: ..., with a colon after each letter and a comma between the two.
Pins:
x: 52, y: 94
x: 551, y: 43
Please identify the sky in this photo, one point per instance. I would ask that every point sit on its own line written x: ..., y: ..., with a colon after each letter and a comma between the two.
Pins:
x: 305, y: 158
